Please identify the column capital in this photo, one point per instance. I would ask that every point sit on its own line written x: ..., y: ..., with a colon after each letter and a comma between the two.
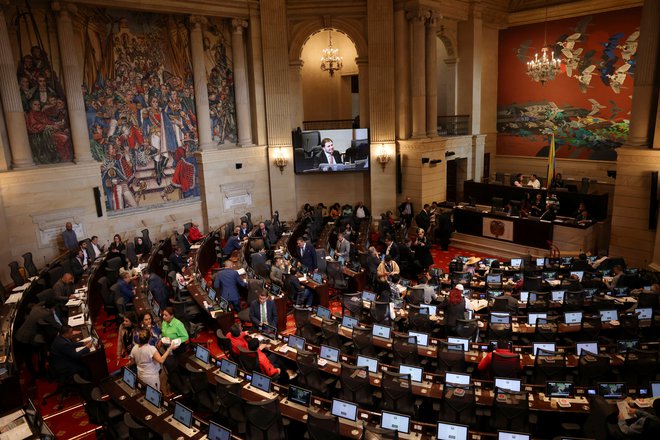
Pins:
x: 418, y: 16
x: 433, y: 19
x: 63, y: 8
x: 361, y: 61
x: 296, y: 64
x: 237, y: 25
x: 197, y: 21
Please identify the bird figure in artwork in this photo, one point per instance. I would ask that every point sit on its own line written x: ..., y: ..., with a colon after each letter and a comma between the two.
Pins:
x: 615, y: 109
x: 570, y: 52
x: 585, y: 77
x: 617, y: 79
x: 629, y: 48
x: 595, y: 107
x: 609, y: 58
x: 521, y: 51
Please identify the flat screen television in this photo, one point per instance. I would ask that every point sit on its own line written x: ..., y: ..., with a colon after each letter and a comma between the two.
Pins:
x: 346, y: 150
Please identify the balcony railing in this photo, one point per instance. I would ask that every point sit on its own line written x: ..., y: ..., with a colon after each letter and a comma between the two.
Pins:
x: 329, y: 124
x: 453, y: 125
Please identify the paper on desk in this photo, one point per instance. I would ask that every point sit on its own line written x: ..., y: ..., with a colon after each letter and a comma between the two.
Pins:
x: 16, y: 430
x: 76, y: 320
x: 21, y: 287
x: 241, y: 271
x: 73, y: 303
x: 302, y: 279
x: 5, y: 420
x: 195, y: 246
x: 14, y: 298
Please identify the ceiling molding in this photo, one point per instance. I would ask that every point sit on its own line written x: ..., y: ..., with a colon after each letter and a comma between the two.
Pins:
x: 571, y: 9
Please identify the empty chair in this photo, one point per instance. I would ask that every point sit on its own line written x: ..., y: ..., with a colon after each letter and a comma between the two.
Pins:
x: 131, y: 256
x: 321, y: 262
x: 467, y: 328
x: 310, y: 376
x: 397, y: 394
x: 258, y: 263
x: 458, y: 406
x: 355, y: 385
x: 231, y: 406
x: 373, y: 432
x: 322, y: 426
x: 421, y: 323
x: 336, y: 278
x: 590, y: 328
x: 203, y: 395
x: 549, y: 366
x: 629, y: 326
x: 540, y: 303
x: 404, y: 350
x: 112, y: 269
x: 330, y: 332
x: 546, y: 329
x: 15, y: 274
x: 592, y: 368
x: 304, y: 327
x: 415, y: 295
x: 29, y: 266
x: 146, y: 241
x: 640, y: 367
x: 109, y: 305
x: 500, y: 304
x: 136, y: 431
x: 351, y: 304
x: 451, y: 357
x: 647, y: 299
x: 574, y: 300
x: 363, y: 341
x: 264, y: 420
x: 510, y: 411
x: 499, y: 332
x: 380, y: 312
x: 531, y: 283
x: 584, y: 186
x: 99, y: 412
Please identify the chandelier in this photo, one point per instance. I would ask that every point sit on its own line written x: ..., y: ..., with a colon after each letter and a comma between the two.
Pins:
x: 546, y: 68
x: 330, y: 59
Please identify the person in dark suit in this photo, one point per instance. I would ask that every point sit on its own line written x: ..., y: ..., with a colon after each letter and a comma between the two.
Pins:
x: 406, y: 212
x: 391, y: 248
x: 299, y: 294
x: 65, y: 354
x: 243, y: 231
x: 443, y: 231
x: 177, y: 262
x: 233, y: 244
x: 423, y: 219
x: 306, y: 254
x: 262, y: 233
x: 263, y: 311
x: 158, y: 289
x: 327, y: 154
x: 183, y: 242
x: 78, y: 266
x: 41, y: 321
x: 228, y: 282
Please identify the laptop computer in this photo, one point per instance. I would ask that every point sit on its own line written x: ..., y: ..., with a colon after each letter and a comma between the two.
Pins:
x: 612, y: 390
x: 317, y: 278
x: 182, y: 419
x: 644, y: 313
x: 532, y: 317
x: 561, y: 389
x: 349, y: 322
x: 299, y: 396
x: 464, y: 341
x: 608, y: 315
x: 509, y: 435
x: 212, y: 294
x: 428, y: 309
x: 457, y: 378
x: 626, y: 345
x: 345, y: 410
x: 296, y: 342
x: 269, y: 331
x: 414, y: 372
x: 323, y: 312
x: 591, y: 347
x: 516, y: 263
x: 260, y: 382
x: 546, y: 346
x: 451, y: 431
x: 557, y: 296
x: 128, y: 382
x: 329, y: 353
x: 368, y: 296
x: 381, y: 331
x: 507, y: 383
x: 572, y: 317
x: 218, y: 432
x: 421, y: 338
x: 370, y: 363
x: 395, y: 422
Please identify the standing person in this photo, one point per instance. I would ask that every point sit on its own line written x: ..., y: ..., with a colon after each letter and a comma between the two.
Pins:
x: 172, y: 328
x: 342, y: 249
x: 146, y: 322
x: 70, y: 238
x: 307, y: 254
x: 373, y: 261
x: 406, y: 212
x: 391, y: 248
x: 456, y: 307
x: 148, y: 359
x: 423, y: 219
x: 228, y: 281
x: 422, y: 250
x: 443, y: 231
x: 387, y: 268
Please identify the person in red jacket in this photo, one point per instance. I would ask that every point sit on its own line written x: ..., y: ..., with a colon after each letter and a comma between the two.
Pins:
x: 265, y: 364
x: 502, y: 348
x: 195, y: 235
x: 236, y: 336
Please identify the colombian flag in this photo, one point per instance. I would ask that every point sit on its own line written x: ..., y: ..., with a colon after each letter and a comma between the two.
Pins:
x: 551, y: 162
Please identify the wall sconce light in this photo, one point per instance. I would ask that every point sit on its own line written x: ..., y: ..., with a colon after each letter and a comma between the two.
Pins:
x: 425, y: 160
x: 436, y: 161
x: 449, y: 153
x: 382, y: 157
x: 280, y: 160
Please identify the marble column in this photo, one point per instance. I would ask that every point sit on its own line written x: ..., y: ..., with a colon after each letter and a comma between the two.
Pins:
x: 418, y: 81
x: 243, y: 124
x: 647, y: 66
x: 295, y: 79
x: 363, y: 86
x: 431, y: 76
x: 71, y: 73
x: 402, y: 73
x: 202, y: 111
x: 10, y: 94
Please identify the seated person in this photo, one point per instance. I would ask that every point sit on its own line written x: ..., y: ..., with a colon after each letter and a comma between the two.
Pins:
x: 536, y: 208
x: 397, y: 291
x: 517, y: 181
x: 233, y: 244
x: 125, y: 288
x: 429, y: 291
x: 327, y: 154
x: 237, y: 338
x: 534, y: 182
x: 262, y: 233
x: 278, y: 270
x: 578, y: 212
x: 300, y: 295
x: 177, y: 261
x: 63, y: 289
x: 65, y: 354
x: 558, y: 181
x: 584, y: 217
x: 484, y: 365
x: 614, y: 282
x: 643, y: 424
x: 265, y: 364
x: 195, y: 234
x: 140, y: 248
x: 581, y: 263
x: 263, y: 311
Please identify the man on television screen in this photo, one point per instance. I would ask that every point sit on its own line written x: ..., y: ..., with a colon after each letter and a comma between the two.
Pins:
x: 327, y: 154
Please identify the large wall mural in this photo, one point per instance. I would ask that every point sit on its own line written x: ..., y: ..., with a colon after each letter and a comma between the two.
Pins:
x: 218, y: 60
x: 587, y: 107
x: 42, y: 94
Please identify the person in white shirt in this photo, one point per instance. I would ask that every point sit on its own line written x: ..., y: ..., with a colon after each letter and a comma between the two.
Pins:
x: 97, y: 250
x: 534, y: 182
x: 327, y: 154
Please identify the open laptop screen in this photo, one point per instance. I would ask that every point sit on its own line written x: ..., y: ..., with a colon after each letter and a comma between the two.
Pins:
x: 457, y: 378
x: 323, y: 312
x: 381, y: 331
x: 516, y: 262
x: 415, y: 372
x: 129, y: 378
x: 572, y: 317
x: 260, y: 382
x: 153, y: 396
x: 202, y: 353
x: 299, y: 395
x: 507, y: 435
x: 349, y: 322
x: 547, y: 346
x: 608, y: 315
x: 560, y: 389
x: 451, y: 431
x: 343, y: 409
x: 228, y: 367
x: 506, y: 383
x: 269, y: 331
x: 183, y: 415
x: 329, y: 353
x: 218, y: 432
x: 370, y: 363
x: 395, y: 422
x: 422, y: 338
x: 612, y: 390
x: 532, y: 317
x: 591, y: 347
x: 296, y: 342
x: 368, y: 296
x: 464, y: 341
